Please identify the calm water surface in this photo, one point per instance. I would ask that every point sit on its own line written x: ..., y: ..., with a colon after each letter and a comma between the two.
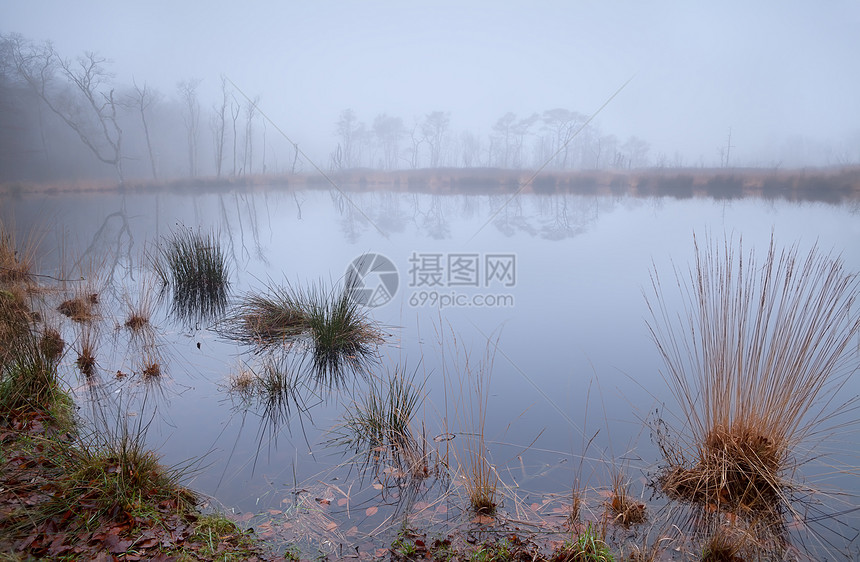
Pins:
x: 551, y: 287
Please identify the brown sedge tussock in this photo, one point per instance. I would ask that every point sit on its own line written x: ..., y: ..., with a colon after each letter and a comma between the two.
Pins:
x: 759, y: 348
x: 622, y: 508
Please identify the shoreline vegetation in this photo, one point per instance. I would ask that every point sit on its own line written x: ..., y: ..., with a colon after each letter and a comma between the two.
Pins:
x: 72, y: 489
x: 830, y: 185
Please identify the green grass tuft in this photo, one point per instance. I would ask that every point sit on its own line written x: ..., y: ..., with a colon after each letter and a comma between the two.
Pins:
x: 194, y: 266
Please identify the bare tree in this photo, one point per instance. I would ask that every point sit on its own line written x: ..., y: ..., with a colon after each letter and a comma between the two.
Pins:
x: 142, y: 99
x: 87, y: 104
x: 348, y: 129
x: 388, y: 131
x: 503, y: 138
x: 250, y: 114
x: 417, y: 139
x: 434, y: 127
x: 520, y: 130
x: 636, y: 152
x: 561, y: 124
x: 191, y: 116
x: 235, y: 108
x: 219, y: 125
x: 471, y: 149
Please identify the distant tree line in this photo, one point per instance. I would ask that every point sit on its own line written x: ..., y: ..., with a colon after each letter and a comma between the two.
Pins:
x: 68, y: 119
x: 557, y: 138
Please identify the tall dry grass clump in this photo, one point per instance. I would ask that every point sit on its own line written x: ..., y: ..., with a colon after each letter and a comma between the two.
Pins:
x: 755, y: 354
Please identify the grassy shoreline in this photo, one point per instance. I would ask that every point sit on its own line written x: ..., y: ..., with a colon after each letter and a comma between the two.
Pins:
x: 831, y: 185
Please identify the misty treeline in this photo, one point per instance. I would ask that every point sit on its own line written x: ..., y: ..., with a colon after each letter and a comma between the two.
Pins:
x: 557, y: 138
x: 65, y: 118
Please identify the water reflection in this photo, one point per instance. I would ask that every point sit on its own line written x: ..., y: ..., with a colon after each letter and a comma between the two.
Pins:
x: 583, y: 261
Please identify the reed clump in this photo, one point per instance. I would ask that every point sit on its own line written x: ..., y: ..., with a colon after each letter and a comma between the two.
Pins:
x: 331, y: 322
x: 380, y: 424
x: 623, y: 508
x: 753, y: 359
x: 80, y: 308
x: 193, y: 265
x: 341, y: 332
x: 16, y: 263
x: 269, y: 319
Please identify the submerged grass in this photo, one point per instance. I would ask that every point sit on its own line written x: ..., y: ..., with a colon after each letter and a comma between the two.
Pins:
x: 380, y: 424
x: 754, y: 361
x: 194, y: 266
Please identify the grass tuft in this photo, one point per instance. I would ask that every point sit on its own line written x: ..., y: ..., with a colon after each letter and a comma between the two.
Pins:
x: 194, y: 266
x: 114, y: 477
x: 16, y: 263
x: 86, y: 348
x: 624, y: 509
x: 333, y: 323
x: 80, y: 308
x: 589, y: 546
x: 379, y: 425
x: 726, y: 544
x: 754, y: 361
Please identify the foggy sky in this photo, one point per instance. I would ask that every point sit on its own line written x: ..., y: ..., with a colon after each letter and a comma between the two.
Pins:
x: 772, y: 72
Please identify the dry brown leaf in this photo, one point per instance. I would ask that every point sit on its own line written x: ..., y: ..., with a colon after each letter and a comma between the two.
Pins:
x: 371, y: 511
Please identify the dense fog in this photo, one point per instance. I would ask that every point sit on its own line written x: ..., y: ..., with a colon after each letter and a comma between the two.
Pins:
x: 164, y: 91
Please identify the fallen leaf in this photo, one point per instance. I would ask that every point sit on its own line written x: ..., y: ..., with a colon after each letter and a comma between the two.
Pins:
x: 371, y: 511
x: 377, y: 486
x: 342, y: 502
x: 483, y: 520
x: 148, y: 543
x: 245, y: 517
x: 275, y: 512
x: 441, y: 508
x: 352, y: 531
x: 331, y: 526
x: 323, y: 501
x: 116, y: 545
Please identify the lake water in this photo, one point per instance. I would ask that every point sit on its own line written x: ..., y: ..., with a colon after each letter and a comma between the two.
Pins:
x: 549, y: 286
